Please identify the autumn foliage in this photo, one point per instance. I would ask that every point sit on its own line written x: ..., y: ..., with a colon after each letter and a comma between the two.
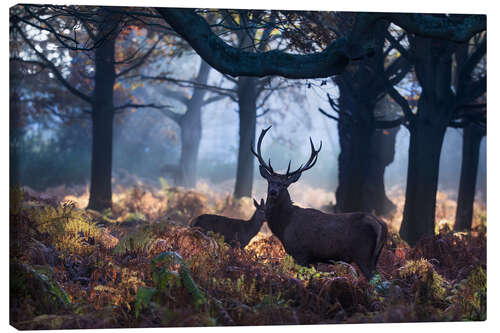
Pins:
x: 142, y: 265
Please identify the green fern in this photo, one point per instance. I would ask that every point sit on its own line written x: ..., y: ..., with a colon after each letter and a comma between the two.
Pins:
x: 143, y: 299
x: 165, y: 278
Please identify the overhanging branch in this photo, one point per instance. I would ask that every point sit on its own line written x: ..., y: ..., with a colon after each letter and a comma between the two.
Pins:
x: 236, y: 62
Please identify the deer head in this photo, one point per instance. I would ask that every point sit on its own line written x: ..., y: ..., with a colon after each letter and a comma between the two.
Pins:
x: 260, y: 210
x: 277, y: 183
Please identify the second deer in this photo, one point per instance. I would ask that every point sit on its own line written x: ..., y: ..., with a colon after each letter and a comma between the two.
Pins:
x: 234, y: 230
x: 311, y: 236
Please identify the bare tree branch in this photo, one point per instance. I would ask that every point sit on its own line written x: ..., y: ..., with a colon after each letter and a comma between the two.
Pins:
x: 141, y: 60
x: 328, y: 114
x: 54, y: 69
x: 263, y: 113
x: 213, y: 99
x: 137, y: 106
x: 190, y: 84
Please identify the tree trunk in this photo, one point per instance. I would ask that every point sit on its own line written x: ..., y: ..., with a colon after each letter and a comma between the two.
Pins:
x: 191, y: 132
x: 364, y: 151
x: 381, y: 154
x: 426, y: 141
x: 247, y: 96
x: 355, y: 142
x: 433, y: 66
x: 190, y: 144
x: 472, y: 137
x: 102, y: 126
x: 15, y: 134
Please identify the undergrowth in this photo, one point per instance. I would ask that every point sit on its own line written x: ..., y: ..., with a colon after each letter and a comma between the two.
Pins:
x: 141, y: 265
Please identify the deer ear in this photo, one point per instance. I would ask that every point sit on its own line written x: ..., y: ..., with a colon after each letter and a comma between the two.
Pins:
x: 263, y: 172
x: 255, y: 203
x: 293, y: 178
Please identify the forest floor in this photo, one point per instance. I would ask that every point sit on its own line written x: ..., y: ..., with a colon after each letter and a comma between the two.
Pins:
x: 141, y: 265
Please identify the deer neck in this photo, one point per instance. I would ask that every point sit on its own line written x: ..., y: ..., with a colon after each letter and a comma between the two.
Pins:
x: 254, y: 224
x: 279, y: 213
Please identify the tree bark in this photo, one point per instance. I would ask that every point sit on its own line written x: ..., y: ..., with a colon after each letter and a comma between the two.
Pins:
x: 102, y: 126
x: 364, y: 150
x: 191, y: 127
x: 355, y: 142
x: 190, y: 141
x: 247, y: 97
x: 382, y: 149
x: 433, y: 65
x: 472, y: 137
x: 426, y: 141
x: 15, y: 131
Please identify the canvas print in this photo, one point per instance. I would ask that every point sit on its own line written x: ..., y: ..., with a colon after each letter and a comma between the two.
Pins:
x: 235, y: 167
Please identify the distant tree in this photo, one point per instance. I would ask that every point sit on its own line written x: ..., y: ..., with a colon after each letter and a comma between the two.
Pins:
x: 101, y: 28
x: 185, y: 172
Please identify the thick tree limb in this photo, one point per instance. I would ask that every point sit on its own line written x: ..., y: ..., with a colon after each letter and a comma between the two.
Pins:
x: 473, y: 60
x: 455, y: 27
x: 331, y: 61
x: 471, y: 92
x: 386, y: 124
x: 178, y: 96
x: 177, y: 117
x: 402, y: 102
x: 403, y: 70
x: 235, y: 62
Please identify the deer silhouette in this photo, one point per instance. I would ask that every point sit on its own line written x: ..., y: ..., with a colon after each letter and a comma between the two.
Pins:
x: 311, y: 236
x: 235, y: 231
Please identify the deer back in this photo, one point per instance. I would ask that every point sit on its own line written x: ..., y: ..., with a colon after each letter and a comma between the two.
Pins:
x: 233, y: 230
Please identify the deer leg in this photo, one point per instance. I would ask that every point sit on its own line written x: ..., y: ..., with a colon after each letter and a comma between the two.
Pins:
x: 366, y: 270
x: 364, y: 263
x: 301, y: 259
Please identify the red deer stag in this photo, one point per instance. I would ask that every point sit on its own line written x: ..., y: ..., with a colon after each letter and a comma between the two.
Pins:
x: 311, y: 236
x: 234, y: 230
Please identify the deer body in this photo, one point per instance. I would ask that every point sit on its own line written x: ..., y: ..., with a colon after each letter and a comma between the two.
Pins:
x: 233, y: 230
x: 311, y: 236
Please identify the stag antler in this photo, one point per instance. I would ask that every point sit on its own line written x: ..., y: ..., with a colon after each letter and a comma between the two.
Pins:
x: 309, y: 164
x: 266, y: 166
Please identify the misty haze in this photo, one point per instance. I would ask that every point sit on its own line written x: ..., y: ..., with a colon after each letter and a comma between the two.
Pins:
x: 195, y: 167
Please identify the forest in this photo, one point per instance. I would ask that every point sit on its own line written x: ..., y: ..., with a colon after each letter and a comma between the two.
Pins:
x: 235, y: 167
